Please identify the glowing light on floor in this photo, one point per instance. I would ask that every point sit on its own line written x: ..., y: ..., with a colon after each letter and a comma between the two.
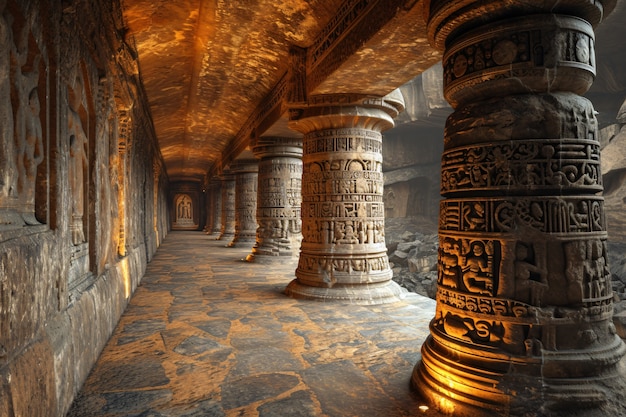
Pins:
x: 423, y: 408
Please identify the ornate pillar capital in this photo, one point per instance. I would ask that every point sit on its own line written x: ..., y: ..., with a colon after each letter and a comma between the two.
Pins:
x: 447, y: 19
x: 329, y: 111
x: 270, y: 146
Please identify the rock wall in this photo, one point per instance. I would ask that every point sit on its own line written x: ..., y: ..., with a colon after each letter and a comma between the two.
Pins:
x: 412, y: 150
x: 82, y: 195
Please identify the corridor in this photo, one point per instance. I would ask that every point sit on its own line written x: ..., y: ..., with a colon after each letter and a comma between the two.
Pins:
x: 207, y: 334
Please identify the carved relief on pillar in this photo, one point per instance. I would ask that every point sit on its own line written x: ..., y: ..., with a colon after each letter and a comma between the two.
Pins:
x: 279, y: 198
x: 227, y: 228
x: 246, y: 182
x: 343, y: 253
x: 524, y: 299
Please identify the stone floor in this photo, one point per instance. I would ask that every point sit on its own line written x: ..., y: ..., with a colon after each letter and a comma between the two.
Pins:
x: 207, y: 334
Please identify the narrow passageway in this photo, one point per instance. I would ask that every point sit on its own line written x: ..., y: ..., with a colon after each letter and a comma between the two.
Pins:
x: 207, y: 334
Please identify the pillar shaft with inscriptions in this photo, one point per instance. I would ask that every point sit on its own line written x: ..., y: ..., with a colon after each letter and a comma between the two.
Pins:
x: 215, y: 207
x: 524, y: 300
x: 343, y: 256
x: 246, y: 178
x: 279, y: 198
x: 227, y: 227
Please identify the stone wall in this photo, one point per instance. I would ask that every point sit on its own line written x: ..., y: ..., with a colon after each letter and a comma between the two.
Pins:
x: 82, y: 195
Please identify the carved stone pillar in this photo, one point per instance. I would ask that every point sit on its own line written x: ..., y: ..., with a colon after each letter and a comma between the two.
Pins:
x: 279, y: 198
x: 215, y: 190
x: 524, y: 301
x: 343, y: 256
x: 246, y: 178
x: 227, y: 228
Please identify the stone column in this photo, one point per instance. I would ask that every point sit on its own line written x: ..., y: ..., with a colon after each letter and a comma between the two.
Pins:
x: 524, y: 301
x: 227, y: 227
x: 279, y: 198
x: 246, y: 178
x: 343, y: 256
x: 215, y: 188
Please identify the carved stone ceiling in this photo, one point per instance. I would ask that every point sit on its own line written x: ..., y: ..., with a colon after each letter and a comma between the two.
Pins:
x: 208, y: 64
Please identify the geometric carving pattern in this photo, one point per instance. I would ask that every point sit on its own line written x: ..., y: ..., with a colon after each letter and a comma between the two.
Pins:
x: 572, y: 214
x: 541, y: 164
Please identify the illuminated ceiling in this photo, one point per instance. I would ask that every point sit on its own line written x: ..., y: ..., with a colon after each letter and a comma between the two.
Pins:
x: 207, y: 65
x: 210, y: 67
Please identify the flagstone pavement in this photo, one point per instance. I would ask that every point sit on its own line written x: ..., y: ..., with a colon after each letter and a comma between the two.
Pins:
x: 209, y: 334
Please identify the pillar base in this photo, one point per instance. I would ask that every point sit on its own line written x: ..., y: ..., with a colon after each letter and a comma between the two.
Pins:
x: 513, y: 386
x: 225, y: 236
x: 360, y: 294
x: 268, y: 259
x: 239, y: 242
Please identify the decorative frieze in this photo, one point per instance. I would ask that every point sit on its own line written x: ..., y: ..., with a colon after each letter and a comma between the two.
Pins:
x: 543, y: 164
x: 565, y: 215
x: 534, y: 53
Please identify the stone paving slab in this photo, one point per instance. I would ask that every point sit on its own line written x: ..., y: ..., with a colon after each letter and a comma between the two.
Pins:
x: 207, y: 334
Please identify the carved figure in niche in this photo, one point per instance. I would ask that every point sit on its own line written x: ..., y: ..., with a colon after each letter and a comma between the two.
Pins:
x: 338, y: 232
x: 348, y: 236
x: 29, y: 143
x: 78, y: 161
x: 476, y: 271
x: 531, y: 275
x: 575, y: 255
x: 596, y: 271
x: 365, y: 232
x: 449, y: 254
x: 183, y: 210
x: 8, y: 168
x: 362, y: 186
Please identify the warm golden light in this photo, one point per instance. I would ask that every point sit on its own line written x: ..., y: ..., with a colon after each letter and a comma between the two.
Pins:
x: 125, y: 277
x: 423, y: 408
